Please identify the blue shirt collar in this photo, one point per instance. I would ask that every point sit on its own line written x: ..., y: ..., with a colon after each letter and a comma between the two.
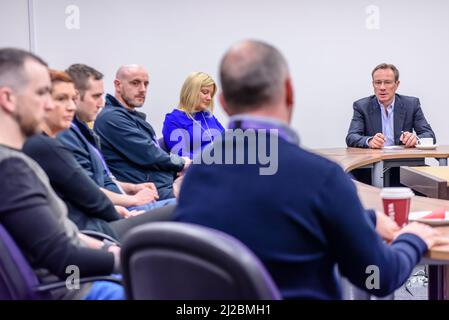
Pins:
x: 390, y: 107
x: 245, y: 121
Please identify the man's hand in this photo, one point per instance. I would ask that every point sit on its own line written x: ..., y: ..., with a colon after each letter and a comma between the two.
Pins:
x: 432, y: 237
x: 122, y: 211
x: 187, y: 163
x: 408, y: 139
x: 114, y: 249
x: 177, y: 186
x: 377, y: 142
x: 146, y: 185
x: 144, y: 196
x: 386, y: 227
x: 125, y: 213
x: 134, y: 213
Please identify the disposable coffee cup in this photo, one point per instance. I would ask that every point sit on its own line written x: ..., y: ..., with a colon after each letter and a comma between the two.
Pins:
x: 396, y: 203
x: 426, y: 141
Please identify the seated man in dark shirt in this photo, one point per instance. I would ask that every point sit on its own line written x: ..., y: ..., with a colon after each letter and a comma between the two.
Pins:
x: 300, y: 214
x: 129, y: 143
x: 29, y: 209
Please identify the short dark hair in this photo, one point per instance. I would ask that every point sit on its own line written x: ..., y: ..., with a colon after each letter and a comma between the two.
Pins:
x: 252, y: 77
x: 387, y: 66
x: 12, y: 61
x: 80, y: 74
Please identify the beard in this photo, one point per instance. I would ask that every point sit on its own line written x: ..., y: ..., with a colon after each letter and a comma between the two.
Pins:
x: 28, y: 126
x: 131, y: 102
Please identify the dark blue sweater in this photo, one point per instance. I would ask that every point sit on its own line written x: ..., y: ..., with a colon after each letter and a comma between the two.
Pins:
x: 301, y: 222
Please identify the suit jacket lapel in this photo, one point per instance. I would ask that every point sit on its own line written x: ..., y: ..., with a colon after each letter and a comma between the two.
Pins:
x: 376, y: 117
x: 399, y: 116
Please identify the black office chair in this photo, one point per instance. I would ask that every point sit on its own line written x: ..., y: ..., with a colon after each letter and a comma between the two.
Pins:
x: 18, y: 280
x: 172, y: 260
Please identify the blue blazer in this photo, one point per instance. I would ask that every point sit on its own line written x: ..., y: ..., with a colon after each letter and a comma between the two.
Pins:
x: 367, y: 120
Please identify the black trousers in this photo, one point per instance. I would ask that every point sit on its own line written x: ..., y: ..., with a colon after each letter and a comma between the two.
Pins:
x: 121, y: 227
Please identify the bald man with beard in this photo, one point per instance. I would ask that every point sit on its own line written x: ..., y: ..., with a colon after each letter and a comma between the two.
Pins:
x: 129, y: 143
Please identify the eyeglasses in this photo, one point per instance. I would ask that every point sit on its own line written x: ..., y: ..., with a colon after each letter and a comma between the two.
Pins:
x: 387, y: 83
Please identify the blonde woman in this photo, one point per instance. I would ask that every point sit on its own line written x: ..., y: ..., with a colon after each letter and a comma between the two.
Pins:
x: 192, y: 126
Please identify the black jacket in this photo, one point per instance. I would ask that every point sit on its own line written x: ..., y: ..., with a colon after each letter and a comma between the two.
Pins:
x: 88, y: 207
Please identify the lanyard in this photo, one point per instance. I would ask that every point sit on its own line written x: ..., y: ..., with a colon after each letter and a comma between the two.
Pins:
x: 245, y: 124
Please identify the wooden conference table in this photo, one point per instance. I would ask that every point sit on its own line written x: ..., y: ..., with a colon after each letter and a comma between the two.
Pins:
x: 378, y: 161
x: 433, y: 182
x: 353, y: 158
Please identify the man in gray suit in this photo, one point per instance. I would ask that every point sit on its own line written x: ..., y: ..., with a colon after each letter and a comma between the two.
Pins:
x: 387, y: 118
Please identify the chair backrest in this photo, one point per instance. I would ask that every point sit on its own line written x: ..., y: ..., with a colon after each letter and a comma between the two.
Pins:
x: 17, y: 278
x: 173, y: 260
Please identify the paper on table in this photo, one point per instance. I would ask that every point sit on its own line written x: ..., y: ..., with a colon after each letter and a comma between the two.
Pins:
x: 439, y: 213
x: 426, y: 217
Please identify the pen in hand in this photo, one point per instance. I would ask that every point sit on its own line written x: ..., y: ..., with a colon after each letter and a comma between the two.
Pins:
x: 402, y: 134
x: 405, y: 142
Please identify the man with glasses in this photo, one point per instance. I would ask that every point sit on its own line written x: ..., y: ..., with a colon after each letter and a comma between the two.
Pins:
x: 387, y: 118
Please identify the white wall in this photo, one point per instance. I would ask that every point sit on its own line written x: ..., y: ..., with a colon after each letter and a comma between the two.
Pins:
x: 329, y: 45
x: 14, y: 27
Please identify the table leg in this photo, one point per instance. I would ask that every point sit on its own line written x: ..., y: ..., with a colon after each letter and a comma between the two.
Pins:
x: 438, y: 286
x: 436, y: 283
x: 443, y: 284
x: 377, y: 174
x: 442, y: 162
